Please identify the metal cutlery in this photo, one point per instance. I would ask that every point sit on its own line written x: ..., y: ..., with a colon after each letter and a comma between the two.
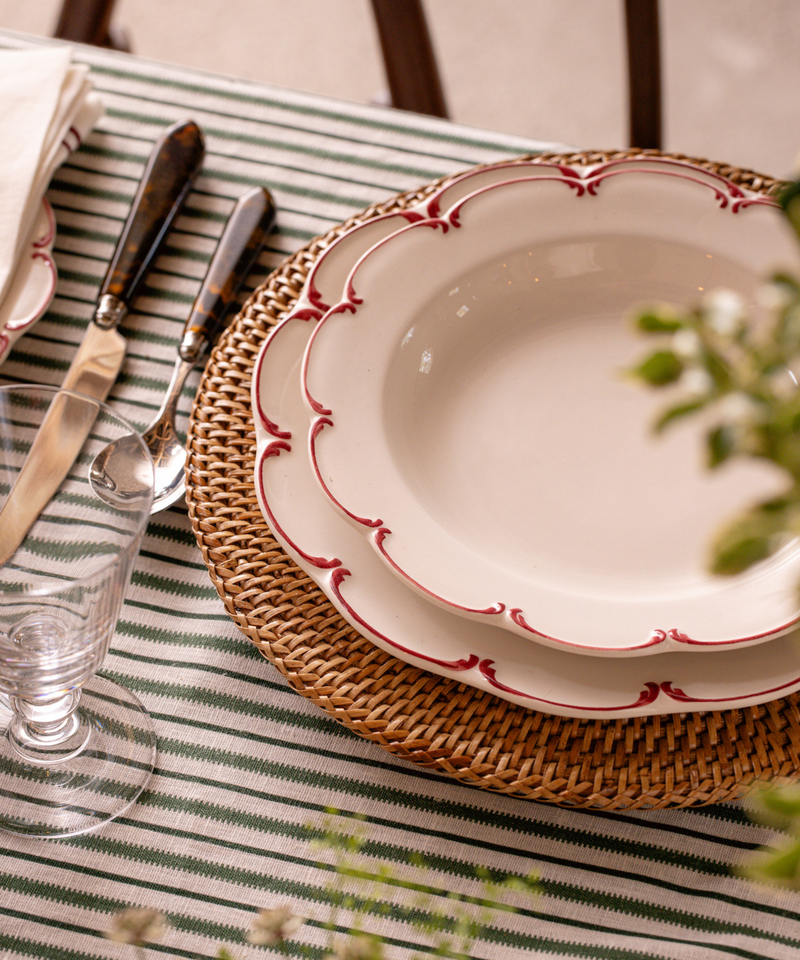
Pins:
x: 169, y: 175
x: 240, y: 244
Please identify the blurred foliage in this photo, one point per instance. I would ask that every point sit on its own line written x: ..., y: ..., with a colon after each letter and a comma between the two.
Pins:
x: 741, y: 374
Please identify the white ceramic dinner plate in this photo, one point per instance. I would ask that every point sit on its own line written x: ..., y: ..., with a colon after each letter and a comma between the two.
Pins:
x: 470, y: 416
x: 398, y: 620
x: 34, y: 284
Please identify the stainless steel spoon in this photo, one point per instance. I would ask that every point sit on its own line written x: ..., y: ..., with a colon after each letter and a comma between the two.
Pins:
x: 242, y: 239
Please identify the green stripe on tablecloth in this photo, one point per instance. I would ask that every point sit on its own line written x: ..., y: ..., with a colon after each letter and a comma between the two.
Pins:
x: 94, y: 192
x: 143, y: 337
x: 384, y: 121
x: 171, y: 585
x: 272, y: 145
x: 320, y: 895
x: 353, y: 787
x: 455, y: 867
x: 64, y: 228
x: 28, y: 948
x: 164, y: 611
x: 269, y: 147
x: 449, y: 837
x: 95, y: 238
x: 81, y: 233
x: 230, y: 933
x: 148, y: 289
x: 48, y: 952
x: 155, y: 384
x: 254, y: 179
x: 422, y: 880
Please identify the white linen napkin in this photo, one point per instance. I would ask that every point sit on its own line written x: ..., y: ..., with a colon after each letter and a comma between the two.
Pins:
x: 47, y: 107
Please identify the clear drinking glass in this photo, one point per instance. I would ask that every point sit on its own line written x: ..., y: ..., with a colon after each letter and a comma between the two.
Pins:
x: 76, y: 749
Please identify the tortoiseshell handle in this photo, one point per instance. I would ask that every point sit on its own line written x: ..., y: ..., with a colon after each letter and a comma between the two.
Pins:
x: 239, y: 246
x: 170, y: 173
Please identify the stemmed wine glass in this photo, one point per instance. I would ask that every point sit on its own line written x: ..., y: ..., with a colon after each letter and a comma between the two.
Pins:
x: 76, y: 749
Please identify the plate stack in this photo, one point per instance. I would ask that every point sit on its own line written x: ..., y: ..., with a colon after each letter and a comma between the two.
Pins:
x: 448, y: 447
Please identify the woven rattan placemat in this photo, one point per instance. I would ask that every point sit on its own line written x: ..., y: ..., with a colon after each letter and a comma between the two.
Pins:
x: 444, y: 726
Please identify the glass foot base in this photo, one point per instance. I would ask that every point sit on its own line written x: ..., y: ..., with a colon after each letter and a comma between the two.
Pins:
x: 83, y: 791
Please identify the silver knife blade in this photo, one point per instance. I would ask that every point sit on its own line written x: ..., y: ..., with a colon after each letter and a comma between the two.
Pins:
x: 63, y: 432
x: 169, y: 175
x: 97, y: 362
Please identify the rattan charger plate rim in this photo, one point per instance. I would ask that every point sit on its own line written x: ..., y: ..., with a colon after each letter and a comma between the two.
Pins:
x: 446, y: 727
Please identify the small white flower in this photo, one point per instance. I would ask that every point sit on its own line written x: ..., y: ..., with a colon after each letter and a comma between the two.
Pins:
x: 784, y: 382
x: 696, y: 381
x: 774, y: 297
x: 738, y: 408
x: 686, y: 343
x: 724, y: 311
x: 357, y: 948
x: 273, y: 926
x: 137, y: 926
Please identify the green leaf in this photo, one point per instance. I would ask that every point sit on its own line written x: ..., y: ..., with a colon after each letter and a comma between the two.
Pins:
x: 781, y: 866
x: 750, y: 538
x: 738, y: 555
x: 718, y: 369
x: 789, y: 199
x: 785, y: 802
x: 653, y: 321
x: 660, y: 368
x: 787, y: 280
x: 785, y: 452
x: 680, y: 410
x: 721, y: 443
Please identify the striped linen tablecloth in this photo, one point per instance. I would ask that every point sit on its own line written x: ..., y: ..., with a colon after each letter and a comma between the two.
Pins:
x: 247, y: 770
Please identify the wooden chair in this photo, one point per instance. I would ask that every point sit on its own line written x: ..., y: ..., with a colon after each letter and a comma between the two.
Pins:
x: 643, y: 38
x: 414, y: 82
x: 89, y: 21
x: 410, y: 62
x: 408, y: 57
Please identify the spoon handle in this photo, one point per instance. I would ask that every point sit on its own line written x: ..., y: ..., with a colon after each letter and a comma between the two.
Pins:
x: 240, y: 244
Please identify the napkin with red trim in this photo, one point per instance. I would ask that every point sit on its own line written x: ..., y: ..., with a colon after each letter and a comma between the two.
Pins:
x: 47, y: 108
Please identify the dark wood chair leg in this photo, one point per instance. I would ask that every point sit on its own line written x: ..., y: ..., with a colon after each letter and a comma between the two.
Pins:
x: 89, y: 21
x: 644, y: 73
x: 411, y: 70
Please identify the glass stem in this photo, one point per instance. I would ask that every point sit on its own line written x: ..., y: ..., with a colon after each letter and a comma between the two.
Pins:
x: 47, y: 730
